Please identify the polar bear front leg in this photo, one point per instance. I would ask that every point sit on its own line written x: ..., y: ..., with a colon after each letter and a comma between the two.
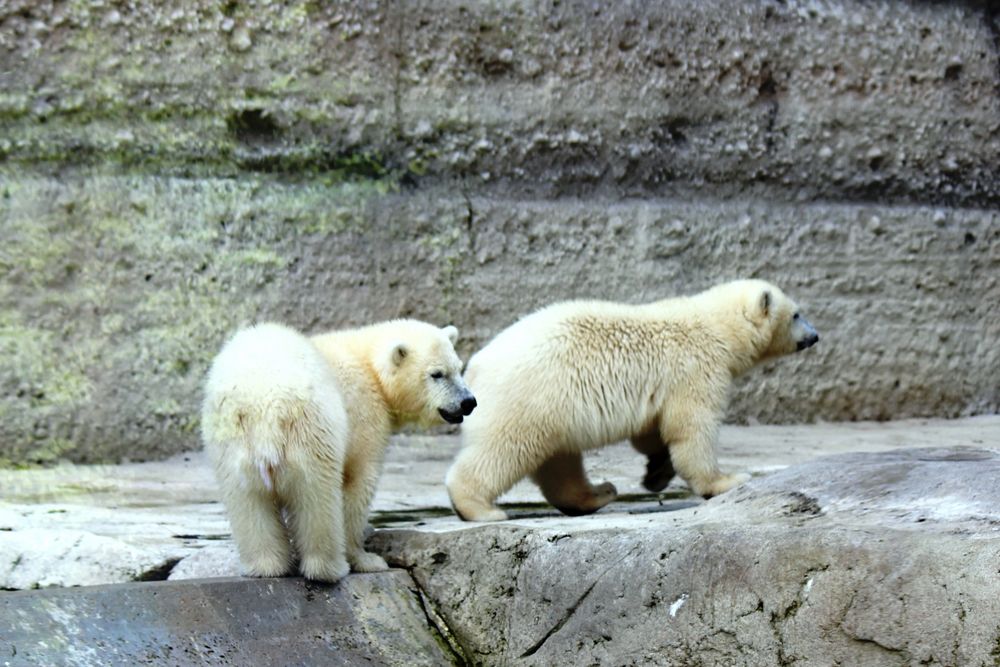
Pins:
x: 360, y: 480
x: 564, y: 484
x: 692, y: 435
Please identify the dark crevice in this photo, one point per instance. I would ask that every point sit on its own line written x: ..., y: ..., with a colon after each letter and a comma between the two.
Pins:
x: 436, y: 623
x: 767, y: 95
x: 992, y: 15
x: 196, y: 536
x: 470, y: 214
x: 160, y: 572
x: 397, y: 78
x: 252, y: 126
x: 901, y: 653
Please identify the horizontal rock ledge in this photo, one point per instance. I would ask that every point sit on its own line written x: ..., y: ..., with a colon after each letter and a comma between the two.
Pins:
x: 880, y: 558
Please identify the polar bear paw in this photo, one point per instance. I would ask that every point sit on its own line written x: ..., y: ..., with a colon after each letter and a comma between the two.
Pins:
x: 324, y: 569
x: 268, y: 566
x: 472, y: 508
x: 368, y: 562
x: 724, y: 483
x: 596, y: 497
x: 492, y: 514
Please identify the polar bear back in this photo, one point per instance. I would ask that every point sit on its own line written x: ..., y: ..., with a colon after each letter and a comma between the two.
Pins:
x: 588, y: 372
x: 270, y: 392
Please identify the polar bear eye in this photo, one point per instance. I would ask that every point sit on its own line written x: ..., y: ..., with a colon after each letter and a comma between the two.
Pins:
x: 795, y: 316
x: 437, y: 375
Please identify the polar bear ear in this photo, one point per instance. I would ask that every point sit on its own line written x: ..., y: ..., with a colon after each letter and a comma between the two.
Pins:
x: 398, y: 354
x: 451, y: 332
x: 765, y: 303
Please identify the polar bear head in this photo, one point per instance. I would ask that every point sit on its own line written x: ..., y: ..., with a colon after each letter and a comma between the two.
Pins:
x: 421, y: 374
x: 780, y: 326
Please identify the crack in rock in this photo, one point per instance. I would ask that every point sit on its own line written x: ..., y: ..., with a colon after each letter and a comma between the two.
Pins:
x: 572, y: 608
x: 437, y: 623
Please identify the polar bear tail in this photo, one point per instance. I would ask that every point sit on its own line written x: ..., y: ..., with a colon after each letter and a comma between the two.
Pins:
x: 265, y: 431
x: 265, y: 475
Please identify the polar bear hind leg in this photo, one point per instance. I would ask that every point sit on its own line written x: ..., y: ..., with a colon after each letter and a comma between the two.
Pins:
x: 258, y: 530
x: 564, y: 484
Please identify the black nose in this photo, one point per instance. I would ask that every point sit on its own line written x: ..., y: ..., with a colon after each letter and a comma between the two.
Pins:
x: 451, y: 417
x: 808, y: 341
x: 468, y: 405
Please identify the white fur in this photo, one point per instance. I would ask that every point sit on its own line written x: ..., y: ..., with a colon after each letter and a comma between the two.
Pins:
x: 584, y: 374
x: 297, y: 428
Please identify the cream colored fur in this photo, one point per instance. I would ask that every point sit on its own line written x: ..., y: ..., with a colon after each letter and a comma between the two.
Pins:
x: 297, y: 428
x: 583, y: 374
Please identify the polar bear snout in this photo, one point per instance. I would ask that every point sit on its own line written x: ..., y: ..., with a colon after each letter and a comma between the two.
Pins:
x: 454, y: 414
x: 809, y: 341
x: 805, y: 334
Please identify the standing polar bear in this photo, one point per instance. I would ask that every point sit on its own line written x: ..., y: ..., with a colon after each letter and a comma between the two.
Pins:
x: 583, y: 374
x: 297, y: 427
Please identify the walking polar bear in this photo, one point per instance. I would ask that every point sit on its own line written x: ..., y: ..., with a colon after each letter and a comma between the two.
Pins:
x: 583, y: 374
x: 297, y: 428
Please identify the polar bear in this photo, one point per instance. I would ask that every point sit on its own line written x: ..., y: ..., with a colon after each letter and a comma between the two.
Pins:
x: 296, y: 428
x: 583, y: 374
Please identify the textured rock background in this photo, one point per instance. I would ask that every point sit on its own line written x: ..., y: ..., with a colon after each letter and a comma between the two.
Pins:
x: 171, y: 170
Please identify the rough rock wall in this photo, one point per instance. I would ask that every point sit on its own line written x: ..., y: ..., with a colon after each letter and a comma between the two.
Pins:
x: 170, y: 170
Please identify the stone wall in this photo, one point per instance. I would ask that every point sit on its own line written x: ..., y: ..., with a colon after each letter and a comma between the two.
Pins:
x: 170, y: 170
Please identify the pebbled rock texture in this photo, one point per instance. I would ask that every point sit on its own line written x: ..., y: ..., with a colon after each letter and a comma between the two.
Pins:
x: 841, y: 99
x: 109, y: 326
x: 171, y: 170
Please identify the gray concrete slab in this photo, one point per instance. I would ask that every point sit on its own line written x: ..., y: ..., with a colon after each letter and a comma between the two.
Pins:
x: 367, y: 619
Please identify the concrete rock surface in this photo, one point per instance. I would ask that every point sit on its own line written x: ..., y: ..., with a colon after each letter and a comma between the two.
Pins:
x: 45, y: 557
x: 163, y: 519
x: 368, y: 619
x: 216, y: 560
x: 886, y: 556
x: 856, y: 559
